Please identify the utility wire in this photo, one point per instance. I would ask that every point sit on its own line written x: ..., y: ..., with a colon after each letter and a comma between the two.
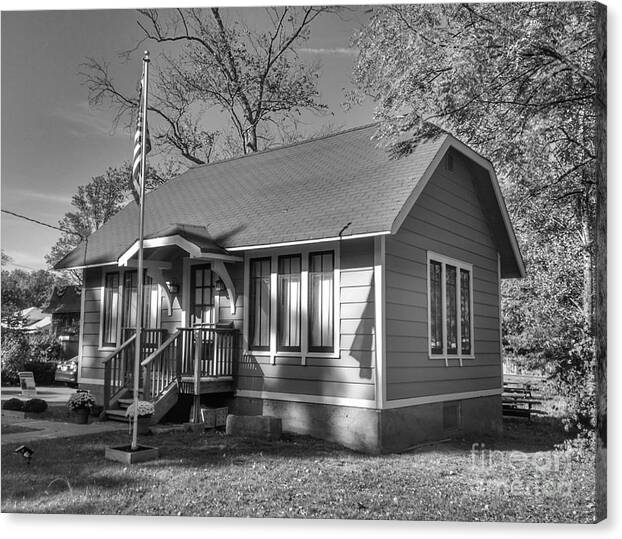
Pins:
x: 42, y: 223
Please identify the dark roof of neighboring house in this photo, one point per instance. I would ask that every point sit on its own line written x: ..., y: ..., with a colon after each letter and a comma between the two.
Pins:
x: 305, y: 191
x: 65, y: 299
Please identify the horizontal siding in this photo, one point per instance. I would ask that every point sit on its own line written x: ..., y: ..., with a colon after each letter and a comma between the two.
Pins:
x: 448, y: 220
x: 351, y: 375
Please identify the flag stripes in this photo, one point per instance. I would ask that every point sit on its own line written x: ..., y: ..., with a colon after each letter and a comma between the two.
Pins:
x: 137, y: 157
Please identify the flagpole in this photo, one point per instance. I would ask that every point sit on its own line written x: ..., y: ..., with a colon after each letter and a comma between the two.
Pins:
x: 139, y: 298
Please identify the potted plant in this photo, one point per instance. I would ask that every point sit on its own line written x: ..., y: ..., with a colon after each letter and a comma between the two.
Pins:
x: 145, y: 411
x: 81, y: 403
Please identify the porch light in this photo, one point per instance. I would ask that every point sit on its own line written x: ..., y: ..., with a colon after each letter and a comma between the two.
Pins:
x: 173, y: 288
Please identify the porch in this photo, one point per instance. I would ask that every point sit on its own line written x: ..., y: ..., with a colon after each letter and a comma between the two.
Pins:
x: 193, y: 361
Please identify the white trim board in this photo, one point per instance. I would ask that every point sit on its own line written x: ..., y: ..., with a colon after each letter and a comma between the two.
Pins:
x: 380, y: 319
x: 305, y: 242
x: 451, y: 142
x: 430, y: 399
x: 364, y: 403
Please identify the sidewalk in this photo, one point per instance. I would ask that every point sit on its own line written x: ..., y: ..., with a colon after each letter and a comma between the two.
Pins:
x: 47, y: 430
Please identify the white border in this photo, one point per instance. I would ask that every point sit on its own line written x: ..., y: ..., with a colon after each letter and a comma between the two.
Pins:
x: 306, y: 242
x: 304, y: 280
x: 444, y: 260
x: 364, y: 403
x: 380, y: 320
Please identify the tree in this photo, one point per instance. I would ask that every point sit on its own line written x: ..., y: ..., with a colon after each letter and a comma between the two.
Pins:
x: 22, y: 289
x: 215, y: 61
x: 98, y: 201
x: 517, y: 82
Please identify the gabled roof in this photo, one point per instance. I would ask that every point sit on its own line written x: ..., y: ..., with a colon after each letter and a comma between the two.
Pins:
x: 339, y: 185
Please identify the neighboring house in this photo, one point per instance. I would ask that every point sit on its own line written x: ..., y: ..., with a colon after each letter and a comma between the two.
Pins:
x: 35, y: 320
x: 64, y: 307
x: 352, y: 294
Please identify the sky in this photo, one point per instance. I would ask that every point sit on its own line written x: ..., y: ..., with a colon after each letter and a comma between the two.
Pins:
x: 52, y: 141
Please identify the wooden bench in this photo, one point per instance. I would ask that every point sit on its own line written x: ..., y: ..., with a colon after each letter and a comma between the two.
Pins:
x: 519, y: 401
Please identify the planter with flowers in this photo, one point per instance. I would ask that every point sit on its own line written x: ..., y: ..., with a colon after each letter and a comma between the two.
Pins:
x: 80, y: 404
x: 145, y: 412
x: 132, y: 454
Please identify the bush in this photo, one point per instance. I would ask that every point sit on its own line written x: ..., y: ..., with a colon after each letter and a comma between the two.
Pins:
x: 36, y: 406
x: 14, y: 404
x: 15, y: 352
x: 45, y: 347
x: 42, y: 371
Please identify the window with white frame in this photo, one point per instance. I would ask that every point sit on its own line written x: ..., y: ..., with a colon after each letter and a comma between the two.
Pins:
x: 292, y: 303
x: 120, y: 298
x: 450, y: 307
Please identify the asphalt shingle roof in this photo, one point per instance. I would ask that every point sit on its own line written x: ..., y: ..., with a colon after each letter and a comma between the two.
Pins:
x: 305, y: 191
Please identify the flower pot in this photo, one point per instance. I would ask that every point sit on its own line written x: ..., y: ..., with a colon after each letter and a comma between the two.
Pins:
x: 81, y: 415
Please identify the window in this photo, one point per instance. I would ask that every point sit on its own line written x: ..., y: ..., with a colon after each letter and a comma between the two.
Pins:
x: 111, y: 309
x: 288, y: 303
x: 259, y: 304
x: 321, y: 301
x: 119, y: 306
x: 293, y: 304
x: 202, y: 295
x: 130, y: 300
x: 450, y: 307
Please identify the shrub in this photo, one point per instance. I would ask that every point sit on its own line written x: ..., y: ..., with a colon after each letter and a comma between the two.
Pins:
x: 43, y: 371
x: 14, y: 404
x: 15, y: 352
x: 36, y: 406
x: 45, y: 347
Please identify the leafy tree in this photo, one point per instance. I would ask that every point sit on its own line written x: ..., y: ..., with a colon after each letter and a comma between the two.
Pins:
x: 517, y: 82
x: 22, y: 289
x: 98, y: 201
x: 214, y: 60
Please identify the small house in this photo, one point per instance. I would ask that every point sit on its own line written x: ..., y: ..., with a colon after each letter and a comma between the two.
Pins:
x: 351, y: 293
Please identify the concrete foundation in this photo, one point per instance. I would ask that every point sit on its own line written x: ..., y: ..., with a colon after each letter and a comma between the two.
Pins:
x: 382, y: 431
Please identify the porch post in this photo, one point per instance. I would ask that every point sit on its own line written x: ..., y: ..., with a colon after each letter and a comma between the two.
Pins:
x: 198, y: 352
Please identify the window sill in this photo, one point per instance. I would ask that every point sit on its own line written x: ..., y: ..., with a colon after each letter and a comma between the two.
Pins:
x: 304, y: 357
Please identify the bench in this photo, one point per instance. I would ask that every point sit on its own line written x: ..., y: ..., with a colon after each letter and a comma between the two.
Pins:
x: 519, y: 401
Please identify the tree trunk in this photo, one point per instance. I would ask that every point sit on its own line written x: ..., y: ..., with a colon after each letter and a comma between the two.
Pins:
x: 601, y: 259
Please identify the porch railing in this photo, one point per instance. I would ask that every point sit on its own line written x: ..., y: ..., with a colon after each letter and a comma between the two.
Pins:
x: 118, y: 369
x: 163, y: 366
x: 209, y: 351
x: 118, y: 366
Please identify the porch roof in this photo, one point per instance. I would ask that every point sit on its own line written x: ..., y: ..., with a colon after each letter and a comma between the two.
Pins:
x: 336, y: 186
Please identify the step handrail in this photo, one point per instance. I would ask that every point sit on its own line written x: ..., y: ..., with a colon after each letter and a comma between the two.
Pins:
x: 162, y: 347
x: 119, y: 349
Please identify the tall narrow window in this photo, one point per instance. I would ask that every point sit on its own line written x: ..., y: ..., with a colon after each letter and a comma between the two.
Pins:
x: 465, y: 311
x: 130, y: 301
x: 321, y: 302
x: 450, y: 289
x: 111, y: 309
x: 259, y: 304
x: 288, y: 320
x: 436, y: 308
x: 452, y: 309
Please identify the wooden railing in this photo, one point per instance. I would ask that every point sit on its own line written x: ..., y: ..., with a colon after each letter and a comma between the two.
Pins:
x: 151, y: 340
x: 163, y: 366
x: 118, y: 369
x: 209, y: 351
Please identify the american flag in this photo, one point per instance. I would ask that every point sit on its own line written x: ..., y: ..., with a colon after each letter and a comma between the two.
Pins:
x: 136, y: 161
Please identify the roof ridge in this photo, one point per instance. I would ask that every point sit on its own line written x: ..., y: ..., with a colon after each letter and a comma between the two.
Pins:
x: 285, y: 146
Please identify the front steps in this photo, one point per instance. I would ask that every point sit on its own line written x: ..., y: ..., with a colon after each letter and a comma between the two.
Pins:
x: 165, y: 401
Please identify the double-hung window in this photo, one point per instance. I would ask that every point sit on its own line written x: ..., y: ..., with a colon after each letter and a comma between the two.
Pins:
x: 291, y: 303
x: 450, y: 307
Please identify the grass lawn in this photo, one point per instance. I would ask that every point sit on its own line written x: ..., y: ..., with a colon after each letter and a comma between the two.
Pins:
x: 519, y: 477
